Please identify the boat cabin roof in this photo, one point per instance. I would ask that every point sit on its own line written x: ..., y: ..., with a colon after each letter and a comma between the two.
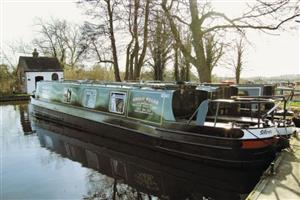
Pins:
x: 133, y: 85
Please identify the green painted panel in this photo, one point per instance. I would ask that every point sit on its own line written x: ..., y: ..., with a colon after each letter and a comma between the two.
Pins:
x: 103, y: 99
x: 146, y: 105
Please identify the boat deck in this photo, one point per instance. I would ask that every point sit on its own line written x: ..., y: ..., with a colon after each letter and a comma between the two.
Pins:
x: 284, y: 183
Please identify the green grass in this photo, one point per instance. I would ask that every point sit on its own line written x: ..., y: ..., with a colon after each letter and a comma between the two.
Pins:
x: 294, y: 104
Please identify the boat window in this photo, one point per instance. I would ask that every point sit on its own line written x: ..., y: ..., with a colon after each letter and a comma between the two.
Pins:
x: 67, y: 95
x: 89, y: 100
x: 117, y: 102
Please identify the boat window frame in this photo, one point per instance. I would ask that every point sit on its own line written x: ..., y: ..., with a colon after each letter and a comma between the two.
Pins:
x: 124, y: 102
x: 253, y: 107
x: 260, y: 91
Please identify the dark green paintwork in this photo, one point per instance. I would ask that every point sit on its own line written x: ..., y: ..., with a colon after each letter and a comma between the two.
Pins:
x: 147, y: 105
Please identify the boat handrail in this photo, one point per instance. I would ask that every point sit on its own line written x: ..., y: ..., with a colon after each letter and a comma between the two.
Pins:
x: 239, y: 101
x: 259, y: 97
x: 242, y: 101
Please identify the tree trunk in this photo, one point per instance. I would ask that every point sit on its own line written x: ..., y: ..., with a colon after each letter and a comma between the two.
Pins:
x: 113, y: 42
x: 197, y: 42
x: 187, y: 71
x: 128, y: 62
x: 135, y: 53
x: 237, y: 78
x: 204, y: 74
x: 176, y: 64
x: 140, y: 59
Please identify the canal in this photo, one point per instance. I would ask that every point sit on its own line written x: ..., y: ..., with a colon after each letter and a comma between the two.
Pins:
x: 43, y: 160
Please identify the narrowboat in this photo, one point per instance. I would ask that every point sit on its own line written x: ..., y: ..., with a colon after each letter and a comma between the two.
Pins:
x: 169, y: 118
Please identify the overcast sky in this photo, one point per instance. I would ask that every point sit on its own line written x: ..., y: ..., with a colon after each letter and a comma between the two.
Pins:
x: 268, y: 56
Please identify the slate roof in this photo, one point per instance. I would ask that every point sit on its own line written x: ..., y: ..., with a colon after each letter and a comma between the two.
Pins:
x: 39, y: 64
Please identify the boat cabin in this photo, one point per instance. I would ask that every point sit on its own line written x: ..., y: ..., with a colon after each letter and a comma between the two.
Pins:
x: 153, y: 103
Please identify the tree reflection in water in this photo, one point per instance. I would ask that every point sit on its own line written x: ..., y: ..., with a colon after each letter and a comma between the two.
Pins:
x: 103, y: 187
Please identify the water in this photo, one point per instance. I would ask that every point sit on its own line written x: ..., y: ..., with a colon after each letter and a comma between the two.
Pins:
x: 41, y: 160
x: 31, y: 172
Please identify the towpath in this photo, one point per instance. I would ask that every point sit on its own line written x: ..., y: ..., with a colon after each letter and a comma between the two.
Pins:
x: 283, y: 182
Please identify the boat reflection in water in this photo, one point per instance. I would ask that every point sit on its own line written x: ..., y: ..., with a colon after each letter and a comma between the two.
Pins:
x: 142, y: 173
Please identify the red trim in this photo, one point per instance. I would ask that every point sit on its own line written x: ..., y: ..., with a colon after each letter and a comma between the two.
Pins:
x: 259, y: 143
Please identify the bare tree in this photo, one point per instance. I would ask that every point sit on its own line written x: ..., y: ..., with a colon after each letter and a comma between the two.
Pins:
x: 160, y: 45
x: 206, y: 23
x: 138, y: 22
x: 104, y: 11
x: 238, y: 61
x: 110, y: 11
x: 97, y: 45
x: 181, y: 64
x: 60, y: 39
x: 176, y: 62
x: 12, y: 52
x: 185, y: 64
x: 50, y: 41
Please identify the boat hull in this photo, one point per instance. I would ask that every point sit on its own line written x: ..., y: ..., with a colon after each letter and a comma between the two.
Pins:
x: 225, y: 152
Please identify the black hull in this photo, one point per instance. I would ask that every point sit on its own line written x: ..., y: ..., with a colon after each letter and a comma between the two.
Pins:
x: 208, y: 150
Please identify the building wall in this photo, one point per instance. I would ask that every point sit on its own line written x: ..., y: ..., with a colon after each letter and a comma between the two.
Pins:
x: 31, y: 77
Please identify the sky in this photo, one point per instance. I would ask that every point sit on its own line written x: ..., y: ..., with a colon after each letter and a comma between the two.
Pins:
x: 267, y: 56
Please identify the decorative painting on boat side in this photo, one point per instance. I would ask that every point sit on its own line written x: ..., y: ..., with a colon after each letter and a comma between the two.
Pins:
x: 147, y: 106
x: 67, y: 95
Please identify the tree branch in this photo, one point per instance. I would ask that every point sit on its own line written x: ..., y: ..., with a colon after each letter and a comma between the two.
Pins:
x: 249, y: 26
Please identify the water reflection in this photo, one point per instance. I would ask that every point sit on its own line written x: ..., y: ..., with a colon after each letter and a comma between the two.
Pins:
x: 137, y: 168
x: 31, y: 172
x: 24, y: 119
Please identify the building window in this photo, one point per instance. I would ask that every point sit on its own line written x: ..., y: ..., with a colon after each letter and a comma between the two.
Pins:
x: 117, y: 102
x: 54, y: 77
